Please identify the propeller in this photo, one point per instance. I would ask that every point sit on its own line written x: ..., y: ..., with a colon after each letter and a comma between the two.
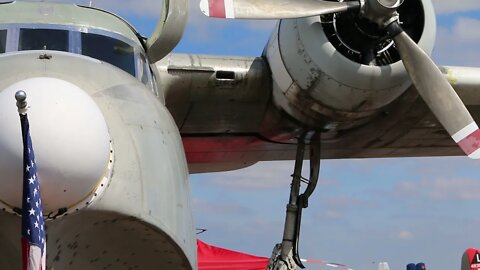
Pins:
x: 272, y: 9
x: 437, y: 92
x: 431, y: 84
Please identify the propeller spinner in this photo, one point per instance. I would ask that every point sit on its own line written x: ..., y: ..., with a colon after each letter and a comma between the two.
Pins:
x: 432, y: 86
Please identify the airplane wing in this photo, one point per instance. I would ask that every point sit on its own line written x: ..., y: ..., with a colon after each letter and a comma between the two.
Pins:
x: 358, y: 73
x: 224, y: 109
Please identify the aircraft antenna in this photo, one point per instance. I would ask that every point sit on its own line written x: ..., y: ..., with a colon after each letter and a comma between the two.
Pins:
x: 90, y: 3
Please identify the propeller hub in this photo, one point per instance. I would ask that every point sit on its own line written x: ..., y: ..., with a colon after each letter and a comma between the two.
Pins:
x: 366, y: 42
x: 381, y: 12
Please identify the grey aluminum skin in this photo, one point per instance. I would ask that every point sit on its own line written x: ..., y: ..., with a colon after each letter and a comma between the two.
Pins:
x: 169, y: 29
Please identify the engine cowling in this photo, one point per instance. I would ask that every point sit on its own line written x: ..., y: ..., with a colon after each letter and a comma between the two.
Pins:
x: 336, y: 72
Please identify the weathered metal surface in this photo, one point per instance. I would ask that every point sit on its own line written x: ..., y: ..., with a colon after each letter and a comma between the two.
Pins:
x: 318, y: 86
x: 214, y: 140
x: 144, y: 216
x: 406, y: 128
x: 215, y: 94
x: 169, y: 29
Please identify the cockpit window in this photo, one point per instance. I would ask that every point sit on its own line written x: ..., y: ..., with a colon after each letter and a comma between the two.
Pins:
x: 43, y: 39
x: 104, y: 45
x: 3, y: 40
x: 110, y: 50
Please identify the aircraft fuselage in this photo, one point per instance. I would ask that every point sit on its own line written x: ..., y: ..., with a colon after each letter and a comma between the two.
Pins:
x: 121, y: 201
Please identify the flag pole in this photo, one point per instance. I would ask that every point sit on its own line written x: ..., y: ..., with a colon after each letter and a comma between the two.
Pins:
x: 33, y: 224
x: 21, y: 98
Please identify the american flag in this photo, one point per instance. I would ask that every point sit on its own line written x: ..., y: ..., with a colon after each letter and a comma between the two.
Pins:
x: 33, y: 225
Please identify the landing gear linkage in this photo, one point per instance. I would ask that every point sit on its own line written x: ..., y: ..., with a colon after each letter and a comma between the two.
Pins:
x: 284, y: 253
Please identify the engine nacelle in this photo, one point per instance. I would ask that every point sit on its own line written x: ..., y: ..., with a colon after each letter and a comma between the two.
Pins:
x: 338, y: 71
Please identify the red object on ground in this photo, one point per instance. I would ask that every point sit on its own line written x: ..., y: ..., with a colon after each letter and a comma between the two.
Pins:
x: 215, y: 258
x: 471, y: 259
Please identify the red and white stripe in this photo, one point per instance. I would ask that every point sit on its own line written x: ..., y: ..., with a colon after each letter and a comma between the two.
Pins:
x: 468, y: 138
x: 33, y: 259
x: 218, y: 8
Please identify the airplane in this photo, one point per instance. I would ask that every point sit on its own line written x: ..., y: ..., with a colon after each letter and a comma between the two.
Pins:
x: 119, y: 122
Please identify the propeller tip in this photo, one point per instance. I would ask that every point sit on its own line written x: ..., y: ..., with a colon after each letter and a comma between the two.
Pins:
x: 468, y: 138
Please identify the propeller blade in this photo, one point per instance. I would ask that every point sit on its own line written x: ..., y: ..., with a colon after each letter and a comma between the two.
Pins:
x: 272, y: 9
x: 437, y: 93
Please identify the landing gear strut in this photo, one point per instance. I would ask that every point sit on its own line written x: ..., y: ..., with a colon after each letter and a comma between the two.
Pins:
x: 285, y: 256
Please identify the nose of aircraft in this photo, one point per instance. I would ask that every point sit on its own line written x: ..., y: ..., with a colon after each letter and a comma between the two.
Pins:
x: 70, y: 139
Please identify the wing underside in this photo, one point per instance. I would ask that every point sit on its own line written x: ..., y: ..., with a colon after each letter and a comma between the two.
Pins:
x: 223, y: 108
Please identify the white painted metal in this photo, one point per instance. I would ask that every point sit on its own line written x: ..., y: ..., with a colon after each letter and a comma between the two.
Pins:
x: 70, y: 139
x: 204, y: 7
x: 229, y: 9
x: 464, y: 132
x: 383, y: 266
x: 475, y: 155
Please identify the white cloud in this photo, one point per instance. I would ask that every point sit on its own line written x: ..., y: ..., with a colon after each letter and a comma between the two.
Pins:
x: 330, y: 214
x: 268, y: 175
x: 465, y: 30
x: 265, y: 175
x: 404, y: 235
x: 339, y: 206
x: 458, y: 45
x: 449, y: 6
x: 209, y: 207
x: 441, y: 189
x: 342, y: 201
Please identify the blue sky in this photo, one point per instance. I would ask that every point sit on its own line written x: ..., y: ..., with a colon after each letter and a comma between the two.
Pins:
x: 364, y: 211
